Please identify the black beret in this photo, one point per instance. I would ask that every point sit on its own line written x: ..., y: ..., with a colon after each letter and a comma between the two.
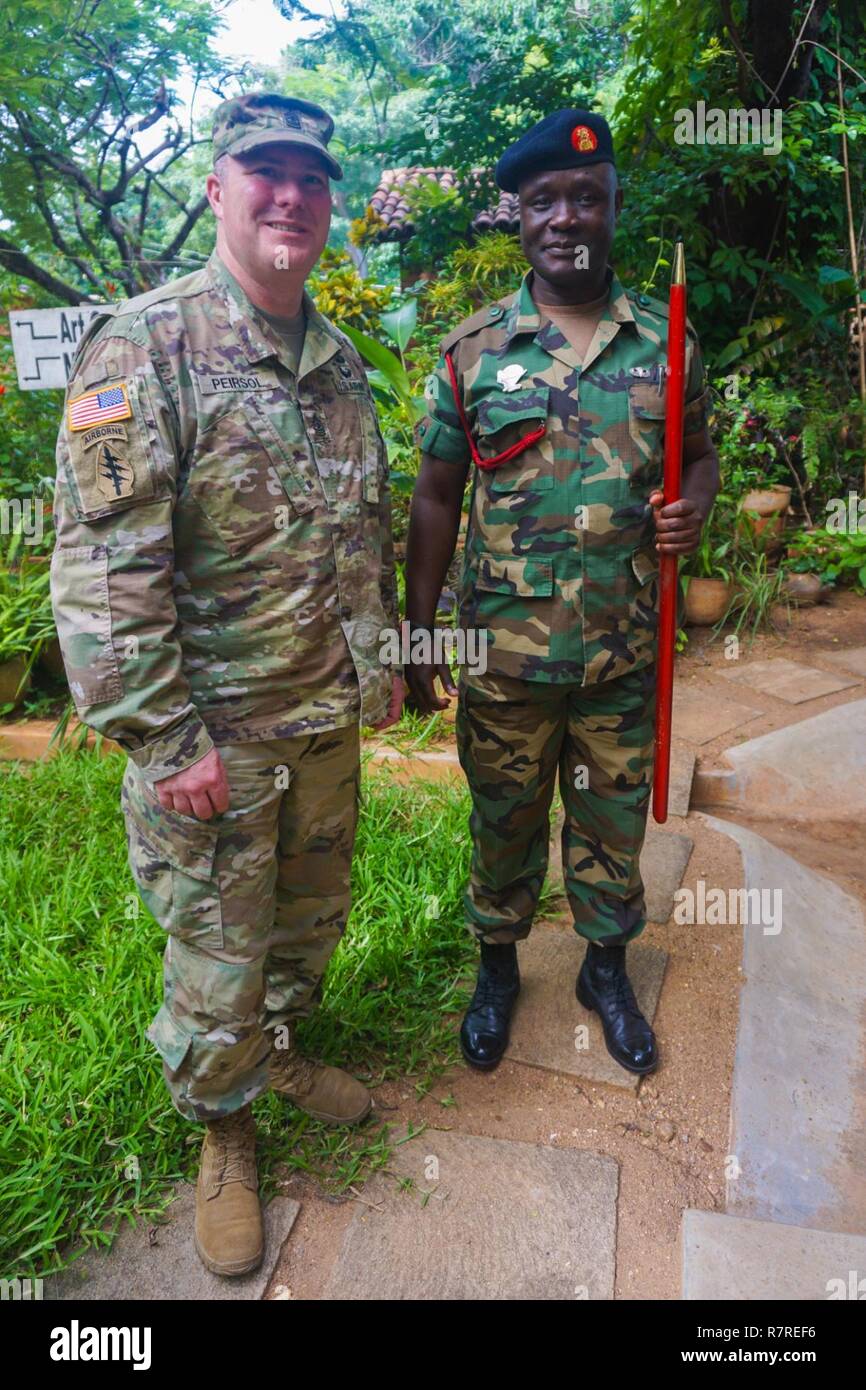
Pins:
x: 568, y: 139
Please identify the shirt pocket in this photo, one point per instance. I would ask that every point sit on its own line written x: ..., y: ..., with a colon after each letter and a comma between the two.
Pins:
x: 503, y: 420
x: 646, y: 427
x: 502, y: 598
x: 82, y: 614
x: 246, y: 478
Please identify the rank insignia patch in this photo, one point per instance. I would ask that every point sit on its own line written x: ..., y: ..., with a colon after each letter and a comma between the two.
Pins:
x: 583, y: 139
x: 99, y: 408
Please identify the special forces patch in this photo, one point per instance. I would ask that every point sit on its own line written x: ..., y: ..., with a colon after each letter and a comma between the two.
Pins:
x: 112, y: 473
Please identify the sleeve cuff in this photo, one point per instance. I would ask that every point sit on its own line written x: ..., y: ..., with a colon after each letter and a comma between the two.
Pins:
x: 163, y: 757
x: 443, y: 441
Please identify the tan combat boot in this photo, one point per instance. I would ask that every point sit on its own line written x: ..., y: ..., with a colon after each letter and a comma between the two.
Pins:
x: 326, y: 1093
x: 228, y: 1218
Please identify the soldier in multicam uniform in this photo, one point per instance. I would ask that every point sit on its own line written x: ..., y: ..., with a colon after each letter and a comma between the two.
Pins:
x: 557, y: 394
x: 222, y: 575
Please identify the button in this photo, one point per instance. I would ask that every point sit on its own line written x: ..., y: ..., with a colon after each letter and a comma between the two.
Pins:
x: 422, y: 429
x: 643, y: 299
x: 495, y: 311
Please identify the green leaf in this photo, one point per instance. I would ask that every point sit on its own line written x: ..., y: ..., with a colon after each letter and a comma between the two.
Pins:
x: 399, y: 324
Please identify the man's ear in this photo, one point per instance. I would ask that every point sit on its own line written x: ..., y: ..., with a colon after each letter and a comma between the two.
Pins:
x: 213, y: 188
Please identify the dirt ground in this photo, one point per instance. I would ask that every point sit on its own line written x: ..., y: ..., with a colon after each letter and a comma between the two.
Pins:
x: 670, y: 1138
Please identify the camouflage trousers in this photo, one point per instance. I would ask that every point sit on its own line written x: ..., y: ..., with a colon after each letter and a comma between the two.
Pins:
x: 254, y: 902
x: 514, y: 736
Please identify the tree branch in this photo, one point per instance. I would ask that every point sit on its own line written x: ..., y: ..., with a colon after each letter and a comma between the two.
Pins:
x: 17, y: 262
x: 177, y: 241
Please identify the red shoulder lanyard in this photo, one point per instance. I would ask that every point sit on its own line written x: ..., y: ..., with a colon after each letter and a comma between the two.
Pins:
x: 507, y: 454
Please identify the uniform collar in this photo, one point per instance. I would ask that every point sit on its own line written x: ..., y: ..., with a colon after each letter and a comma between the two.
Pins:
x: 525, y: 317
x: 259, y: 338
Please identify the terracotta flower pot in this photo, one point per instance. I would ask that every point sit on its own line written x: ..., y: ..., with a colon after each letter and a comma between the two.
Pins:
x: 768, y: 501
x: 11, y: 675
x: 52, y: 660
x: 803, y: 589
x: 707, y: 601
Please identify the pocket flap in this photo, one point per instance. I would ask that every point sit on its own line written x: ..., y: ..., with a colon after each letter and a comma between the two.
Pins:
x: 646, y: 402
x: 494, y: 412
x: 510, y: 574
x: 169, y: 1039
x: 646, y: 565
x: 184, y: 842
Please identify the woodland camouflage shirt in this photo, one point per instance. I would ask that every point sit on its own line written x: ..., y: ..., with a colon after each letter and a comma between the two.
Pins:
x: 560, y: 566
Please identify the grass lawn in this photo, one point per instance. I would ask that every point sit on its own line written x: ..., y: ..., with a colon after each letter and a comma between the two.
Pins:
x: 89, y: 1134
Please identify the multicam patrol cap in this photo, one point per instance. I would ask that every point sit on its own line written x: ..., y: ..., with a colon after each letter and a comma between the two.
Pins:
x: 568, y: 139
x: 266, y: 118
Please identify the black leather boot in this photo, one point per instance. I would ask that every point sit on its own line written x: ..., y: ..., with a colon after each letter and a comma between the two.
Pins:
x: 604, y: 986
x: 484, y: 1031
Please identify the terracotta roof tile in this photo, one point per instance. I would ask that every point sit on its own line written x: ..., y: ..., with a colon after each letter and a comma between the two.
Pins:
x: 391, y: 205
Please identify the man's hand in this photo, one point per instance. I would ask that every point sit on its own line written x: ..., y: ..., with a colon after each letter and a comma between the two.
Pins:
x: 678, y: 526
x: 200, y: 791
x: 422, y: 687
x: 395, y: 705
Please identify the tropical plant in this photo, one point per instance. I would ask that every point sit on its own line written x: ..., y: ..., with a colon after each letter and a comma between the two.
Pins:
x: 399, y: 408
x: 343, y: 296
x: 836, y: 556
x: 26, y: 620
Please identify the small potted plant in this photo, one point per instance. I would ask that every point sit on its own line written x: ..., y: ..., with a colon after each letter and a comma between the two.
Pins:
x: 707, y: 575
x: 26, y: 624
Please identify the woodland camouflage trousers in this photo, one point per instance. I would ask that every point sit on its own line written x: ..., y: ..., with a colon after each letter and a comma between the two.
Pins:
x: 514, y: 736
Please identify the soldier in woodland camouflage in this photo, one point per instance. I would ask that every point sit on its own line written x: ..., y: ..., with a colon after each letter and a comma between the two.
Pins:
x: 557, y: 396
x: 222, y: 576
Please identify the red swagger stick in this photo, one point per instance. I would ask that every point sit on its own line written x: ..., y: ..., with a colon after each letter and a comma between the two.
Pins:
x: 668, y: 563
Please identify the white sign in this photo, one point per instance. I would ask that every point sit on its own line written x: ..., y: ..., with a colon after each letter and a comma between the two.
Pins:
x: 44, y: 342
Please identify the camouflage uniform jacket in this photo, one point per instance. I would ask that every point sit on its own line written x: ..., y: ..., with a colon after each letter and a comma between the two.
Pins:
x: 560, y: 566
x: 223, y: 565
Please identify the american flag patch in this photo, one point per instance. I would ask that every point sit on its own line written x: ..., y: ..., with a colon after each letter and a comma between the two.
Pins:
x: 99, y: 408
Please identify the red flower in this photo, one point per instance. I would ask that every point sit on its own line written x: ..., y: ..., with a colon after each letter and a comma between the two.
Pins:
x: 2, y: 390
x: 110, y: 286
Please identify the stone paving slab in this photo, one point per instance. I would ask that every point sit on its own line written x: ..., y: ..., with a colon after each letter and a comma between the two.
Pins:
x: 850, y: 659
x: 728, y: 1257
x: 663, y: 861
x: 169, y: 1268
x: 547, y: 1015
x: 700, y: 715
x: 787, y: 680
x: 504, y: 1221
x: 797, y: 1122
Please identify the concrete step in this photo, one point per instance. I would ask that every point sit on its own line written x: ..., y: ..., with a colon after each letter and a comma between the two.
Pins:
x: 729, y: 1257
x: 798, y: 1128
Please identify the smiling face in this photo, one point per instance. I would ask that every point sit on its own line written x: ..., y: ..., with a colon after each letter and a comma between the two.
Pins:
x: 273, y: 211
x: 560, y: 211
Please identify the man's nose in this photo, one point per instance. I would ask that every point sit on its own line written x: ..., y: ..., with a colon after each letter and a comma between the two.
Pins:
x: 564, y: 214
x: 289, y: 193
